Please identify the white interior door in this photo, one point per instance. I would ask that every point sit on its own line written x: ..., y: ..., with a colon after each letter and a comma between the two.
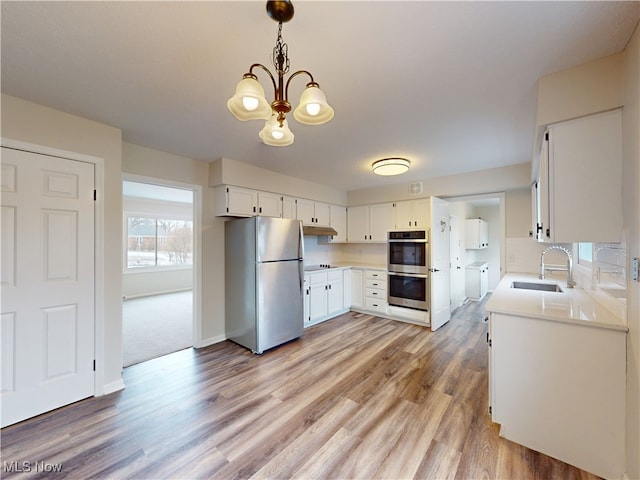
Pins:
x: 439, y: 258
x: 457, y: 284
x: 47, y: 283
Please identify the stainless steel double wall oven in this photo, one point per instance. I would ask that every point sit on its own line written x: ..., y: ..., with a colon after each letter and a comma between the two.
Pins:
x: 408, y: 267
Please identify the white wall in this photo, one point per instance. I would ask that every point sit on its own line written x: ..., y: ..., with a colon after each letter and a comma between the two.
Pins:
x: 37, y: 124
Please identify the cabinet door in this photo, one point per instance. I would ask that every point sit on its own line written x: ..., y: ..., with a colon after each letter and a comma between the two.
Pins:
x: 542, y: 202
x: 269, y: 204
x: 335, y: 293
x: 289, y: 207
x: 357, y: 289
x: 484, y: 281
x: 403, y: 212
x: 318, y: 293
x: 322, y: 214
x: 241, y: 201
x: 380, y: 221
x: 305, y: 211
x: 421, y: 213
x: 305, y: 302
x: 339, y: 223
x: 358, y: 224
x: 585, y: 179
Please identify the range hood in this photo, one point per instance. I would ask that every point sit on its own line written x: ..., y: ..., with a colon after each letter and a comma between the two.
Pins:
x: 318, y: 231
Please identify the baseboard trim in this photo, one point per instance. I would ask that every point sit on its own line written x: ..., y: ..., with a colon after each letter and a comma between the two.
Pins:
x: 210, y: 341
x: 113, y: 387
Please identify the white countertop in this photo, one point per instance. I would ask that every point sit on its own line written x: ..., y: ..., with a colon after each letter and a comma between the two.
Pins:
x: 572, y: 305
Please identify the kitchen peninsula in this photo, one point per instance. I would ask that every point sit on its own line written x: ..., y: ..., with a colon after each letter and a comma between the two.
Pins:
x: 557, y: 367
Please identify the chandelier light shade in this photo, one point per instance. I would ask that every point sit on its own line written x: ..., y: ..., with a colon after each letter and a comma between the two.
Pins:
x: 250, y: 103
x: 313, y: 108
x: 275, y: 134
x: 391, y: 166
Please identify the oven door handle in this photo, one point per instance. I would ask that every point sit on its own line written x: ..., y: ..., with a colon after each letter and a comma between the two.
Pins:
x: 416, y: 275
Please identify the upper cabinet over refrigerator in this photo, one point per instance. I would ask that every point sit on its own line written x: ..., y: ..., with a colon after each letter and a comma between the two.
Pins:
x: 577, y: 195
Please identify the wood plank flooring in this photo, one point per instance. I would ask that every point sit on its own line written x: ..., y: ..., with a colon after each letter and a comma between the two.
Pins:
x: 357, y: 397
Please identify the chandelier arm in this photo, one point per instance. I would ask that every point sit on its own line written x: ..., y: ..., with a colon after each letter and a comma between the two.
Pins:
x: 299, y: 72
x: 273, y: 80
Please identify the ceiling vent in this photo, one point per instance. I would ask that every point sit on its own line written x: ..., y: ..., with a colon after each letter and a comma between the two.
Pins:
x: 415, y: 188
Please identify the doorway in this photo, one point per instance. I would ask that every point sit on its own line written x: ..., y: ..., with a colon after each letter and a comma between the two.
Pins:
x: 491, y: 208
x: 158, y: 268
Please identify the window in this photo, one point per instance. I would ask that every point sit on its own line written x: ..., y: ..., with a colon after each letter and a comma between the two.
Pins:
x: 158, y: 242
x: 585, y: 254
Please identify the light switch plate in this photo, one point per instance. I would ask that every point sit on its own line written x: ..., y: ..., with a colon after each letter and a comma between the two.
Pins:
x: 634, y: 269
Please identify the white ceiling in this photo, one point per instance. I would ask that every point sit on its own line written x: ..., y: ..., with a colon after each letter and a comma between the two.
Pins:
x: 450, y: 85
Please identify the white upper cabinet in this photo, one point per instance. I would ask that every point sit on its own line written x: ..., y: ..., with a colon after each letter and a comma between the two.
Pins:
x: 476, y: 234
x: 289, y: 207
x: 411, y: 214
x: 338, y: 216
x: 244, y: 202
x: 579, y: 185
x: 369, y: 223
x: 313, y: 213
x: 235, y: 201
x: 269, y: 204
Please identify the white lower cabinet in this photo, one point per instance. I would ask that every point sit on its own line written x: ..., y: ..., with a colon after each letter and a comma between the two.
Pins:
x: 559, y: 388
x: 357, y: 292
x: 324, y: 295
x: 476, y: 280
x: 375, y: 291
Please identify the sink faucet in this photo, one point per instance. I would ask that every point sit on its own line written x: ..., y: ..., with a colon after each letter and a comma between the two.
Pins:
x: 558, y: 268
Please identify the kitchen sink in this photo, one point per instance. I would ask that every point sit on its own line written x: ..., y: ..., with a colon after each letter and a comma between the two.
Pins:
x: 544, y: 287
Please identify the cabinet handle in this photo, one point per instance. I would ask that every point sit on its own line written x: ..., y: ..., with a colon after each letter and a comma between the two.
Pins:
x: 329, y: 286
x: 374, y: 284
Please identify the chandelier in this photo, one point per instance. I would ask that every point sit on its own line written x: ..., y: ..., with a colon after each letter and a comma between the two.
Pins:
x: 249, y: 102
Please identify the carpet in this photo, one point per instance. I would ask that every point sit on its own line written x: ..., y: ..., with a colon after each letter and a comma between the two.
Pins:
x: 156, y: 325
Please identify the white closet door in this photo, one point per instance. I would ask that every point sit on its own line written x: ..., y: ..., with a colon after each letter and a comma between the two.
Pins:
x: 47, y: 331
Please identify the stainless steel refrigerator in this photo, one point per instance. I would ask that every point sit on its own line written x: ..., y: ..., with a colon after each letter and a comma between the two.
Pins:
x: 264, y: 281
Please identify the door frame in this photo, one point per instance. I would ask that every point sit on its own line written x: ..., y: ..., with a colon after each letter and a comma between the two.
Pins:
x: 501, y: 196
x: 98, y: 246
x: 196, y: 273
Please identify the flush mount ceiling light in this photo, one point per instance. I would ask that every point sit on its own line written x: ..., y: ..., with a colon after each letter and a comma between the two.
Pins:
x: 249, y: 102
x: 390, y: 166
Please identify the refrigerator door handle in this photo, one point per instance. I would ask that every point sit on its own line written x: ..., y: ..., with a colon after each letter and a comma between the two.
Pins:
x: 301, y: 257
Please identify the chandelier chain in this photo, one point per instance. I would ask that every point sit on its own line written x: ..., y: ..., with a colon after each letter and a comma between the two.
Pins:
x: 281, y: 54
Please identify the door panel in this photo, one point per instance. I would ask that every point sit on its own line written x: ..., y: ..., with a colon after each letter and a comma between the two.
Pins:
x: 440, y: 302
x: 279, y: 299
x: 47, y: 283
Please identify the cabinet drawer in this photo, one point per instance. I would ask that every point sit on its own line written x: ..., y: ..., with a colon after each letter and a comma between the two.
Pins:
x: 317, y: 278
x: 334, y: 275
x: 375, y: 274
x: 375, y: 304
x: 375, y: 293
x: 376, y: 283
